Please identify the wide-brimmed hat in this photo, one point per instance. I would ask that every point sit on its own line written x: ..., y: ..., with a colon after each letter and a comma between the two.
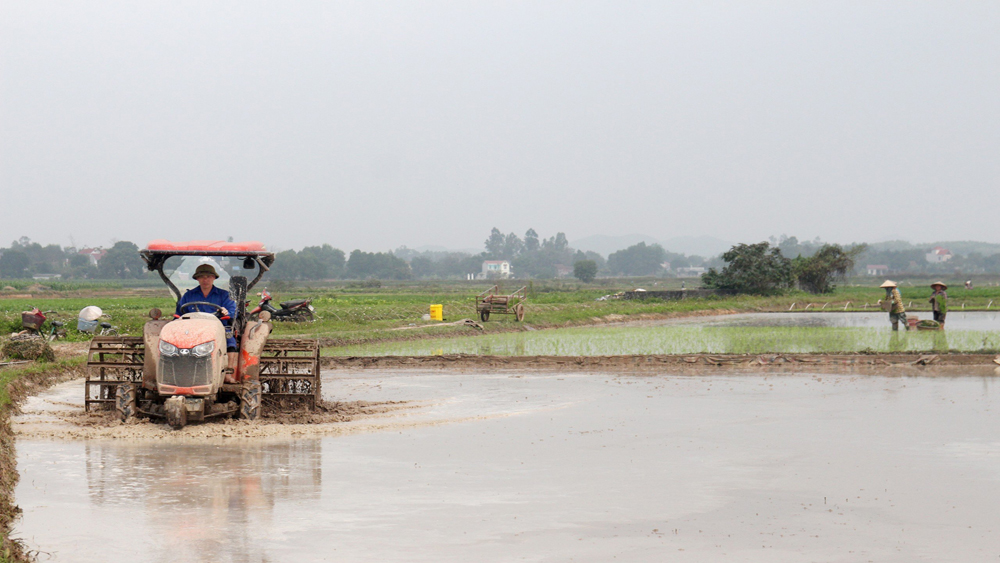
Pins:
x: 888, y: 283
x: 204, y: 270
x: 941, y: 283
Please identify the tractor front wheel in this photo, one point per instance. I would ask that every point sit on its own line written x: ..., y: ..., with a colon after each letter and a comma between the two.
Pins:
x: 126, y: 404
x: 250, y: 400
x: 175, y: 411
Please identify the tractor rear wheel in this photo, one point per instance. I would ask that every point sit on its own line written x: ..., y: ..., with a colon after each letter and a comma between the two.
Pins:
x: 250, y: 401
x: 126, y: 404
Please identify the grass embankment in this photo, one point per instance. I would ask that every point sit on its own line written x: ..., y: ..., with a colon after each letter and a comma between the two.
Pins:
x: 15, y: 385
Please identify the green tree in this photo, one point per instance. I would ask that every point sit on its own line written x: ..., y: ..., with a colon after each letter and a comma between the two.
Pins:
x: 122, y: 262
x: 512, y: 246
x: 585, y: 270
x: 817, y: 273
x: 752, y: 268
x: 378, y: 265
x: 531, y: 243
x: 637, y: 260
x: 495, y: 243
x: 14, y: 264
x: 332, y: 260
x: 423, y: 267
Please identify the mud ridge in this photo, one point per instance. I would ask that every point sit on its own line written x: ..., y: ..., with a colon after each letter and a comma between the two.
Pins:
x: 659, y: 362
x: 19, y: 389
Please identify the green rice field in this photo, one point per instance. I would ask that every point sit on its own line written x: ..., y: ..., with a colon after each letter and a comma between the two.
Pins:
x: 601, y: 341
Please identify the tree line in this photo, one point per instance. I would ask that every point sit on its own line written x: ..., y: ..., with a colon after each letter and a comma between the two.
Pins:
x: 789, y: 261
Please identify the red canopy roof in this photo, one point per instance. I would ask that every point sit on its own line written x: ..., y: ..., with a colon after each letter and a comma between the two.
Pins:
x: 215, y: 247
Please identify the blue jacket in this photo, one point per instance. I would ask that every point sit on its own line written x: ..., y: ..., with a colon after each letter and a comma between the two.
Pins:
x: 216, y: 296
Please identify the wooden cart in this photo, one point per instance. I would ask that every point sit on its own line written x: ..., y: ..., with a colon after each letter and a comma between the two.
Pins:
x: 490, y: 301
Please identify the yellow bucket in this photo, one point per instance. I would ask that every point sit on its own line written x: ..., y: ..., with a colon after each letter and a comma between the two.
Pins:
x: 437, y: 312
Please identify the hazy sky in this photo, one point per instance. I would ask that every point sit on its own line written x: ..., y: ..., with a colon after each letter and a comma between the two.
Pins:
x: 375, y: 124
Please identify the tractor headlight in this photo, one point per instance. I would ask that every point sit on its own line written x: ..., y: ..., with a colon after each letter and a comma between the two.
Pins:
x: 203, y: 349
x: 167, y: 349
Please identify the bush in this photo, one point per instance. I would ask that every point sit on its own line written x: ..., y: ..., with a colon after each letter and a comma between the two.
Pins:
x: 585, y: 270
x: 758, y: 269
x: 817, y: 273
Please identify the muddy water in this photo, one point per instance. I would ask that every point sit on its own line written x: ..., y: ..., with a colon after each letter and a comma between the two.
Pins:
x: 499, y: 467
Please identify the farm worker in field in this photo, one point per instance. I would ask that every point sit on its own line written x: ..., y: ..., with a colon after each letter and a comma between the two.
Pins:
x: 939, y: 301
x: 206, y: 291
x: 894, y: 304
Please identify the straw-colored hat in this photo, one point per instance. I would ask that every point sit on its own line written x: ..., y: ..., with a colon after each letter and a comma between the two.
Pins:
x: 888, y: 283
x: 205, y: 270
x: 941, y: 283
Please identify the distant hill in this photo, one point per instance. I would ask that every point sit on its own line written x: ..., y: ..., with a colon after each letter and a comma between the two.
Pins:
x: 959, y: 247
x: 605, y: 244
x: 704, y: 246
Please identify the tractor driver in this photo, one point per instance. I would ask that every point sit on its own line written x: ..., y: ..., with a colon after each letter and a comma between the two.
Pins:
x: 206, y: 291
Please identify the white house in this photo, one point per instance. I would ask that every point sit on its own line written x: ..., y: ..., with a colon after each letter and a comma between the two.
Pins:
x: 493, y: 269
x: 877, y: 269
x: 938, y: 254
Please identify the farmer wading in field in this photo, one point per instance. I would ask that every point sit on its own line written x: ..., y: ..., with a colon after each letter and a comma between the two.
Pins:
x: 894, y: 304
x: 939, y: 301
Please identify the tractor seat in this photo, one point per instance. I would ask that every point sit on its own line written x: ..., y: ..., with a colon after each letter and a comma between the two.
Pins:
x: 105, y: 325
x: 292, y: 303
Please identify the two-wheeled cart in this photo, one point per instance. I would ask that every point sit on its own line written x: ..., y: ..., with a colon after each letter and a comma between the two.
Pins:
x: 490, y: 301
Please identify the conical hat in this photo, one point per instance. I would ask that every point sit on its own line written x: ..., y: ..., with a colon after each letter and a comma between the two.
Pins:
x: 888, y: 283
x: 941, y: 283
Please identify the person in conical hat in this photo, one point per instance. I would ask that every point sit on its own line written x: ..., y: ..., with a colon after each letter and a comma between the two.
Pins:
x: 206, y: 292
x: 939, y: 301
x: 894, y: 304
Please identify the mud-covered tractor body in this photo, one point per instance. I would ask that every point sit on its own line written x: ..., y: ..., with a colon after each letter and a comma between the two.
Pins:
x: 176, y: 370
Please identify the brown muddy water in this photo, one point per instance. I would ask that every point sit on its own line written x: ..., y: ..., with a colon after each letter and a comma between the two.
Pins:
x: 539, y: 467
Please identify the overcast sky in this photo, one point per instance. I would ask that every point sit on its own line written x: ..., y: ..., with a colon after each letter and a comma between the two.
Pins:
x: 376, y: 124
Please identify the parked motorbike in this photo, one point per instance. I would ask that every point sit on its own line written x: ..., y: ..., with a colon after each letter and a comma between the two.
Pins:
x: 296, y: 310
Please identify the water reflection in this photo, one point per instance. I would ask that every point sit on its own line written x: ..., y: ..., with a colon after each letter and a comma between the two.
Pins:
x: 204, y: 502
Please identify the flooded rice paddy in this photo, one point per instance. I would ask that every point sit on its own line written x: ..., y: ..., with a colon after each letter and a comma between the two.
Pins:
x: 565, y: 467
x: 727, y: 334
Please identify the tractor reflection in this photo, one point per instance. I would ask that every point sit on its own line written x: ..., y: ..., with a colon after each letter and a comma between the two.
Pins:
x: 204, y: 502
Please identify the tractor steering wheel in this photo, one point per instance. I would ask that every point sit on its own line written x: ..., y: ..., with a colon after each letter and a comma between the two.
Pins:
x: 218, y: 308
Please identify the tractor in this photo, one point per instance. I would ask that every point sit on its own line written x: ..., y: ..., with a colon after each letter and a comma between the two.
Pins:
x: 176, y: 369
